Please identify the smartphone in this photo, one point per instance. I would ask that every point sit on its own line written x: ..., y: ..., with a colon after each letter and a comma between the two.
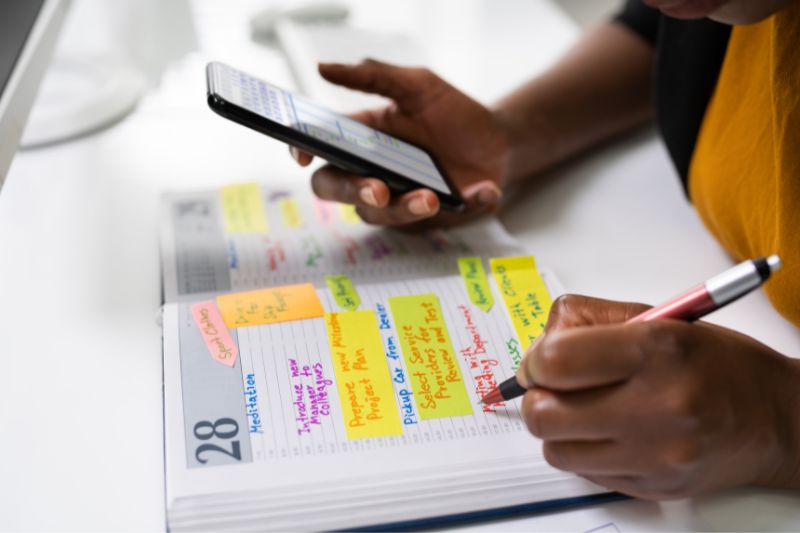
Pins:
x: 340, y: 140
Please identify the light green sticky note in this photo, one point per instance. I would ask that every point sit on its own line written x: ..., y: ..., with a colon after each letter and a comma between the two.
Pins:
x: 436, y: 379
x: 343, y: 292
x: 476, y: 282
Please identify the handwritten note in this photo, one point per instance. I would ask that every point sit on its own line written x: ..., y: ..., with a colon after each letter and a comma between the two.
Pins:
x: 251, y: 404
x: 477, y: 353
x: 476, y: 282
x: 310, y: 394
x: 324, y: 212
x: 405, y: 401
x: 274, y: 252
x: 514, y: 352
x: 268, y: 306
x: 343, y: 292
x: 362, y: 375
x: 431, y: 361
x: 312, y: 249
x: 215, y: 334
x: 348, y: 214
x: 243, y: 209
x: 290, y: 213
x: 524, y: 294
x: 378, y: 246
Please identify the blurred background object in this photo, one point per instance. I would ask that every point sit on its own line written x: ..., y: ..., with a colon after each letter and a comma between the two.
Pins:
x: 108, y: 55
x: 589, y: 12
x: 310, y: 32
x: 263, y: 23
x: 28, y: 33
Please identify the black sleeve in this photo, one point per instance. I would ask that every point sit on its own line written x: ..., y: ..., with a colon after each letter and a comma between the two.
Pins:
x: 641, y: 19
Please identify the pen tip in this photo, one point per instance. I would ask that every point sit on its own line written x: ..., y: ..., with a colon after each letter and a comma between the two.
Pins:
x: 491, y: 397
x: 774, y: 262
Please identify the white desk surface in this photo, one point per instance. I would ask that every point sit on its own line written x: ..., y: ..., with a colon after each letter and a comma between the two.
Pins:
x: 80, y: 391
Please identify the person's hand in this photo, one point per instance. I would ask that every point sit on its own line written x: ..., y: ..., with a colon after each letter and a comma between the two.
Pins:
x: 458, y: 131
x: 660, y: 409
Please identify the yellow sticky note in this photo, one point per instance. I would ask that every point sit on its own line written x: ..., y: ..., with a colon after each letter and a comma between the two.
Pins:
x: 362, y: 375
x: 348, y: 214
x: 524, y: 294
x: 476, y: 282
x: 435, y: 375
x: 243, y: 208
x: 343, y: 292
x: 268, y: 306
x: 290, y: 213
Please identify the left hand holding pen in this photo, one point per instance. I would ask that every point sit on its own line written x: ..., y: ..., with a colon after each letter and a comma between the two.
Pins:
x: 660, y: 409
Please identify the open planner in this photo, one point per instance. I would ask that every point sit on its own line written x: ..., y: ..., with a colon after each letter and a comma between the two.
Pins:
x: 323, y: 374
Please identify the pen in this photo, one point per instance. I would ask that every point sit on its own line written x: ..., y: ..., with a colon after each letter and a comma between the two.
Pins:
x: 695, y: 303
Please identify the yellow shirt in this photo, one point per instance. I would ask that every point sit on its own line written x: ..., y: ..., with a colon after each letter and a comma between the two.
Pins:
x: 744, y: 176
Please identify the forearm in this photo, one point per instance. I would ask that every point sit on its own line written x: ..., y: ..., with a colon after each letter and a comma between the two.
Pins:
x: 785, y: 471
x: 600, y: 88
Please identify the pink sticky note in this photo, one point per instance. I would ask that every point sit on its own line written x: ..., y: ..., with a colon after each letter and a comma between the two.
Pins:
x: 215, y: 333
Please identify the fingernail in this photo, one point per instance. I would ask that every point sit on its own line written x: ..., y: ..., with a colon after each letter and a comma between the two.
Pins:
x: 489, y: 196
x: 367, y: 195
x: 521, y: 379
x: 522, y: 373
x: 418, y: 206
x: 295, y: 153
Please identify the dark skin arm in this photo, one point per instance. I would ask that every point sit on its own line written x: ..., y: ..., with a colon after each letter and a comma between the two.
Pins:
x: 657, y: 410
x: 599, y: 89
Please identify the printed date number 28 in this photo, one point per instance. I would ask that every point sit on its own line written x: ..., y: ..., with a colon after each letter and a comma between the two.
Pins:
x: 222, y: 428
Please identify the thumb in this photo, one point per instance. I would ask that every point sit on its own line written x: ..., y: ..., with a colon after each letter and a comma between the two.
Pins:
x: 401, y: 84
x: 575, y: 310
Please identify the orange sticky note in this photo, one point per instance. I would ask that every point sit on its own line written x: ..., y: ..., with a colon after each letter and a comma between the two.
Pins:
x: 215, y: 334
x: 269, y: 306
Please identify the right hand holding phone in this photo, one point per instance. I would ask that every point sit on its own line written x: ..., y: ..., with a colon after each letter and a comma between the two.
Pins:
x: 459, y: 132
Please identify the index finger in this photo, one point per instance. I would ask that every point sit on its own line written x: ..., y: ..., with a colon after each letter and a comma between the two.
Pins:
x: 585, y: 357
x: 572, y: 310
x: 401, y: 84
x: 303, y: 158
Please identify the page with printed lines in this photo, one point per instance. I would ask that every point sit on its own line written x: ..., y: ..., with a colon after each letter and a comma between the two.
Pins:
x: 376, y: 396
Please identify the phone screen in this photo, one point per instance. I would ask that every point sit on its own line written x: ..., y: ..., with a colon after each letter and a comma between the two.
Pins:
x: 296, y: 112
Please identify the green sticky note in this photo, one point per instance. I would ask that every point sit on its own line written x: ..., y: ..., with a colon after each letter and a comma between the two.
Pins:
x: 343, y: 292
x: 476, y: 282
x: 436, y: 379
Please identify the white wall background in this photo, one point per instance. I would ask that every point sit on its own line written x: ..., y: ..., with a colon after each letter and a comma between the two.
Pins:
x: 589, y: 12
